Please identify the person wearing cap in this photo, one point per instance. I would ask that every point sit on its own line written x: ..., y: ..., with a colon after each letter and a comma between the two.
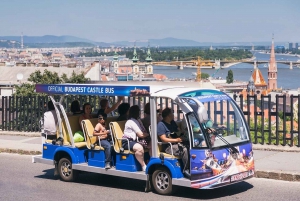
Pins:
x: 101, y: 132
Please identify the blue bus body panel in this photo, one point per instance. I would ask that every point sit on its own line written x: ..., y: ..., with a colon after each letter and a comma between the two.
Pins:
x: 96, y: 158
x: 212, y: 169
x: 76, y: 155
x: 48, y: 151
x: 171, y: 164
x: 127, y: 162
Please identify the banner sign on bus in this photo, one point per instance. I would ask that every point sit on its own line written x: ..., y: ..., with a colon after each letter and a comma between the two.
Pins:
x: 85, y: 89
x: 214, y: 97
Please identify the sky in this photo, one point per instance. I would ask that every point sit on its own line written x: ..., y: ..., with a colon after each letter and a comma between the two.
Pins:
x: 139, y: 20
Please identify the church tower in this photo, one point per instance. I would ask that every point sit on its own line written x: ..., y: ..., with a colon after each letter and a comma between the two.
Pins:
x: 135, y: 60
x: 272, y: 71
x: 149, y: 67
x: 115, y: 62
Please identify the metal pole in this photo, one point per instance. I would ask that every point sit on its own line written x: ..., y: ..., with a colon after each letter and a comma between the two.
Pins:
x: 153, y: 126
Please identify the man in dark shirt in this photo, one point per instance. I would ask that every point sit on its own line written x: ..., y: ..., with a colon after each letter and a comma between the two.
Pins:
x: 166, y: 131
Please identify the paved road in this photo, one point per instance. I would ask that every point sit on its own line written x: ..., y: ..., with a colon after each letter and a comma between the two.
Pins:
x: 22, y: 180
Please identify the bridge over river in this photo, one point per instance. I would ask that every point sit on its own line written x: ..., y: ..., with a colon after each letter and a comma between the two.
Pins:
x: 221, y: 63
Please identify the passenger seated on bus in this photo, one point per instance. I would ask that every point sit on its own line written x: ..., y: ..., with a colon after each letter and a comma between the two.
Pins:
x: 75, y: 108
x: 50, y: 122
x: 87, y: 110
x: 134, y: 129
x: 166, y: 131
x: 105, y: 109
x: 104, y: 136
x: 123, y: 111
x: 147, y: 118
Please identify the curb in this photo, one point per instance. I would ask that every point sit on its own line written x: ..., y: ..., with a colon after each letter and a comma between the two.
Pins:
x: 279, y: 148
x: 20, y: 151
x: 284, y: 176
x: 26, y: 134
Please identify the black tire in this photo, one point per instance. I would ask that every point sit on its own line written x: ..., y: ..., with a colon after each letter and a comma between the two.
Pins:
x: 162, y: 181
x: 65, y: 170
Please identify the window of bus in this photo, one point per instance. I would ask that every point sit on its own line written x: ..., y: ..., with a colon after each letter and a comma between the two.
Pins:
x: 198, y: 139
x: 225, y: 123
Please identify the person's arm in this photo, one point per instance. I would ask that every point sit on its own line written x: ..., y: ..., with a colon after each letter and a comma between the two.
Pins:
x: 161, y: 132
x: 115, y: 106
x: 100, y: 131
x: 164, y: 138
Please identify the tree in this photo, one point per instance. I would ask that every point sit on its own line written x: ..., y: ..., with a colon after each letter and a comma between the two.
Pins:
x: 47, y: 77
x: 229, y: 78
x: 204, y: 76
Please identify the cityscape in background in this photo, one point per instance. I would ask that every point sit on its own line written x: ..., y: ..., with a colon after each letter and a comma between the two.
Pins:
x: 107, y: 62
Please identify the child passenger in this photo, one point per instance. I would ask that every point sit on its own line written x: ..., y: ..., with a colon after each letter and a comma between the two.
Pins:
x: 101, y: 132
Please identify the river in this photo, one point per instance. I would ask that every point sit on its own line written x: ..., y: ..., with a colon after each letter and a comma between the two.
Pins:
x: 287, y: 79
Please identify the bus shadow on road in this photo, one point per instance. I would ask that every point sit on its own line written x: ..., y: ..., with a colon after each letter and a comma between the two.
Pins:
x: 48, y: 174
x: 109, y: 181
x: 206, y: 194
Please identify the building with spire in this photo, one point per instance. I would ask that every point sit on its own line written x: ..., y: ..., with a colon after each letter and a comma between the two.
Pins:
x: 259, y: 82
x: 141, y: 68
x: 135, y: 60
x: 149, y: 66
x: 272, y: 71
x: 115, y: 62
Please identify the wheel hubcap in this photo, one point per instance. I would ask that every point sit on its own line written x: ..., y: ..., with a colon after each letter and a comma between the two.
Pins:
x: 66, y: 169
x: 162, y: 181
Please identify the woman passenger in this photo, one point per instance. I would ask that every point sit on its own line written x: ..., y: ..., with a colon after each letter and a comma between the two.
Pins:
x: 133, y: 129
x: 87, y: 110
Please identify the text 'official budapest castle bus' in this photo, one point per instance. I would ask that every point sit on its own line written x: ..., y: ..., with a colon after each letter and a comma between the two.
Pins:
x: 219, y: 146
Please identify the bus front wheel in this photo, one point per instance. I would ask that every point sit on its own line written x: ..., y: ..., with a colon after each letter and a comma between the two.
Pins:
x: 162, y: 181
x: 65, y: 170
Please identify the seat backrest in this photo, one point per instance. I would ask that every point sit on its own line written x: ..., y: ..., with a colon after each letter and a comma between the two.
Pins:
x: 88, y: 130
x: 74, y: 124
x: 110, y: 119
x: 117, y: 130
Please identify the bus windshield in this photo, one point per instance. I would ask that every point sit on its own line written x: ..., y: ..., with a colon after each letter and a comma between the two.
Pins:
x: 220, y: 117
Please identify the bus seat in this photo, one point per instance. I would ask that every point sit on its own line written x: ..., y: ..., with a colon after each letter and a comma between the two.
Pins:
x: 111, y: 119
x: 74, y: 124
x: 117, y: 129
x: 88, y: 130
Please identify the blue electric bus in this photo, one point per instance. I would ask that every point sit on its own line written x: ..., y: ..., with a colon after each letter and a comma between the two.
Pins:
x: 218, y: 138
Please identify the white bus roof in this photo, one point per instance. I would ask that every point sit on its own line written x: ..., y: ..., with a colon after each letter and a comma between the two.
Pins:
x: 114, y: 90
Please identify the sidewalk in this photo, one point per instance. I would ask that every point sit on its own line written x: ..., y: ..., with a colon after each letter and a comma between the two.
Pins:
x: 272, y: 162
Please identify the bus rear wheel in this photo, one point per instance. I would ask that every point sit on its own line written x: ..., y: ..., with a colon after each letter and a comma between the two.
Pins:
x: 65, y: 170
x: 162, y: 181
